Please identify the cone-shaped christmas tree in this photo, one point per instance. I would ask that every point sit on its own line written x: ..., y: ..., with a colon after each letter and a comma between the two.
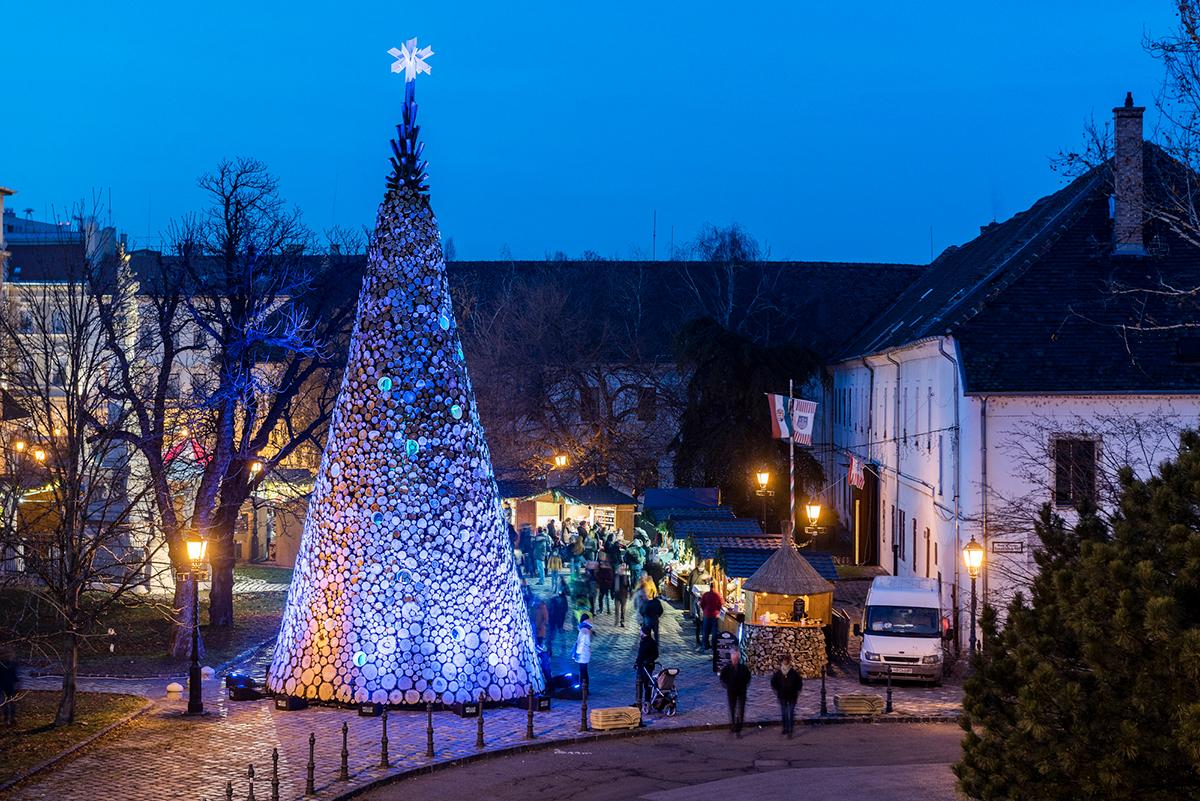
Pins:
x: 405, y: 588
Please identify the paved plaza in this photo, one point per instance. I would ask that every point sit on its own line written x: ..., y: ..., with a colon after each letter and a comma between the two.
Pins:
x: 163, y: 754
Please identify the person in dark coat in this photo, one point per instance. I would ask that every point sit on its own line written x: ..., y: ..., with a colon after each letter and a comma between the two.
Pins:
x: 604, y: 584
x: 647, y: 656
x: 557, y: 607
x: 9, y: 680
x: 620, y: 593
x: 652, y: 611
x: 787, y: 684
x: 736, y: 678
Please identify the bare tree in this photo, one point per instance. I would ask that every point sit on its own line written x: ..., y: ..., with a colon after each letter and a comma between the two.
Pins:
x: 78, y: 538
x: 236, y: 341
x: 728, y: 283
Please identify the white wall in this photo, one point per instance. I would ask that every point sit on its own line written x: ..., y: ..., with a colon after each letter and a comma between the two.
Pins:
x: 904, y: 421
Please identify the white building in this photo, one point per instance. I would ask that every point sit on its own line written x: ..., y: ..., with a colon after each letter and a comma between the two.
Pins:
x: 1019, y: 369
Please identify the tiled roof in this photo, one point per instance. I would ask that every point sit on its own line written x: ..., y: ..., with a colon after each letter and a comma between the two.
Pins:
x: 519, y: 489
x: 595, y: 495
x: 738, y: 527
x: 715, y: 513
x: 738, y: 562
x: 1030, y: 302
x: 678, y: 498
x: 708, y: 547
x: 822, y: 563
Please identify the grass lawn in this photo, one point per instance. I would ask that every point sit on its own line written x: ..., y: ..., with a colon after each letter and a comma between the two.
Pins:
x: 34, y: 740
x: 143, y: 630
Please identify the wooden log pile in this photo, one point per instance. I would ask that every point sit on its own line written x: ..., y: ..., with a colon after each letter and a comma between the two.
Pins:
x: 763, y: 646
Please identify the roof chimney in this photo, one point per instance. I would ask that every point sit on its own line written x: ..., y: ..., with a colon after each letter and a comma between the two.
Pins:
x: 1128, y: 180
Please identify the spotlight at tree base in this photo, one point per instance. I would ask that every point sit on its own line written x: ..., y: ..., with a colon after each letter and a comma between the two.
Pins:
x: 973, y: 557
x: 813, y: 512
x: 256, y: 468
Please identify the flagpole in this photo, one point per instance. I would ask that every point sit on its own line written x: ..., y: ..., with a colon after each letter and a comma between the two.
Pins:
x: 791, y: 463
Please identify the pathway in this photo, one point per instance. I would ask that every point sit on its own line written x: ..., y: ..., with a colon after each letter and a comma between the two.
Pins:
x: 163, y: 754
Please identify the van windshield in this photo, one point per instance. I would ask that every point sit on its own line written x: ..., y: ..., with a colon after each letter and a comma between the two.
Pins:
x: 903, y: 621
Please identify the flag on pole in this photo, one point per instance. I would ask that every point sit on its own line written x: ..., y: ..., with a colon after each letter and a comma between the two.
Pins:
x: 792, y: 418
x: 856, y: 476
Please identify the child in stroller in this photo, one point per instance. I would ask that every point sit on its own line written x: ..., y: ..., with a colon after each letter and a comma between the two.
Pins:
x: 662, y: 697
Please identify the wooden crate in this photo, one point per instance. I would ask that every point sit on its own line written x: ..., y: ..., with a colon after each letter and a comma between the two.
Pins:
x: 615, y: 717
x: 858, y: 704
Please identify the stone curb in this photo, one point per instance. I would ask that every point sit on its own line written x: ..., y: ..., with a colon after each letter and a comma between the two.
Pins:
x: 228, y: 663
x: 84, y: 743
x: 643, y: 731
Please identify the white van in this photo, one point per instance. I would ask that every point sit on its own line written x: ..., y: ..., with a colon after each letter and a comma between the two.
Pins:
x: 902, y: 630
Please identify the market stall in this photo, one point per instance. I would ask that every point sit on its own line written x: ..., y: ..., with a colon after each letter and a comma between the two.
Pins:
x: 786, y: 604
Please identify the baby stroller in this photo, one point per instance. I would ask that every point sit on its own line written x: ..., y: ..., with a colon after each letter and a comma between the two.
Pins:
x: 663, y: 697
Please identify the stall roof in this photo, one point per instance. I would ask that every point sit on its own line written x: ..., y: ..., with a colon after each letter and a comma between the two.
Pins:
x: 681, y: 498
x: 597, y: 495
x: 737, y: 527
x: 663, y: 514
x: 822, y: 563
x: 741, y: 560
x: 520, y: 490
x: 709, y: 547
x: 786, y: 572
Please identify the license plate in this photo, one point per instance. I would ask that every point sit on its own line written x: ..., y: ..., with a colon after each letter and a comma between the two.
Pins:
x: 902, y: 670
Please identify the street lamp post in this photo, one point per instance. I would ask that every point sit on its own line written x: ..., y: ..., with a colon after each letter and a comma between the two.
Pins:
x: 560, y: 460
x: 764, y: 478
x: 196, y: 550
x: 973, y: 558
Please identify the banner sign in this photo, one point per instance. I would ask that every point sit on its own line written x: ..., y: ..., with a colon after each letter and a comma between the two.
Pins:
x: 792, y: 418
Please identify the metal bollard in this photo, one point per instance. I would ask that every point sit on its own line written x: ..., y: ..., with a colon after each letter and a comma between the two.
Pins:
x: 384, y: 762
x: 824, y: 703
x: 228, y: 791
x: 479, y: 723
x: 429, y: 730
x: 309, y: 787
x: 250, y: 776
x: 529, y: 720
x: 344, y: 774
x: 274, y: 774
x: 888, y: 706
x: 583, y: 709
x: 637, y: 689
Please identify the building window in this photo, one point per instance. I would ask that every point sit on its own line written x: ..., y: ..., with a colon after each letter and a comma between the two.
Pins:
x: 929, y: 422
x: 58, y: 322
x: 25, y: 322
x: 914, y: 553
x: 900, y: 538
x: 647, y: 402
x: 1074, y: 471
x: 941, y: 466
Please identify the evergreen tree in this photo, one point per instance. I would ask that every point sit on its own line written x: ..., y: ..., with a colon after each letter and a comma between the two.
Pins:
x: 1089, y: 688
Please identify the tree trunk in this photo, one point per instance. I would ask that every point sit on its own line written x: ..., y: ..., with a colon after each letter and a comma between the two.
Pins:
x: 220, y: 594
x: 181, y: 631
x: 66, y: 704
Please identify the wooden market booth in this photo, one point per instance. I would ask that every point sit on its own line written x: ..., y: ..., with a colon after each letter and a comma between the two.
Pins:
x: 787, y: 603
x: 529, y: 504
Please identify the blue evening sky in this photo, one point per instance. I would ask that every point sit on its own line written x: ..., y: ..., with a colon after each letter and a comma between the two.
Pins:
x: 828, y: 130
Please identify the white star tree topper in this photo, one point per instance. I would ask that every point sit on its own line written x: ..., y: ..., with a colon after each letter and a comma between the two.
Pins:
x: 410, y: 60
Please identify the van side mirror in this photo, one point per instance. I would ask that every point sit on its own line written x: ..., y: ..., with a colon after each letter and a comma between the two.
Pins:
x: 857, y: 630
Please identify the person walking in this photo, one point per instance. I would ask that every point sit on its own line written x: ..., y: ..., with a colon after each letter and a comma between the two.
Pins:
x: 556, y: 608
x: 583, y: 647
x: 590, y: 587
x: 541, y: 552
x: 9, y: 680
x: 647, y: 656
x: 604, y: 583
x: 736, y: 678
x: 652, y: 612
x: 620, y: 594
x: 541, y: 622
x: 787, y: 684
x: 711, y: 604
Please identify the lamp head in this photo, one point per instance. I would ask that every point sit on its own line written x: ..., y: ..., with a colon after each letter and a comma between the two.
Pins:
x: 973, y: 557
x: 39, y: 454
x: 813, y: 511
x: 763, y: 477
x: 197, y: 547
x: 560, y: 460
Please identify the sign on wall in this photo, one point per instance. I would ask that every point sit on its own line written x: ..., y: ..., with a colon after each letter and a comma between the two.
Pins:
x: 1008, y: 547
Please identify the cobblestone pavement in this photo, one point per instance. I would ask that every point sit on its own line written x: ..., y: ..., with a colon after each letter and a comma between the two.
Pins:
x: 165, y: 755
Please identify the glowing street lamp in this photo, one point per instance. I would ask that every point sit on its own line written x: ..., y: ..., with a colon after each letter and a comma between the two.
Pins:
x: 813, y: 510
x: 763, y: 478
x: 197, y: 547
x: 973, y: 558
x: 560, y: 460
x: 39, y: 454
x: 20, y: 446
